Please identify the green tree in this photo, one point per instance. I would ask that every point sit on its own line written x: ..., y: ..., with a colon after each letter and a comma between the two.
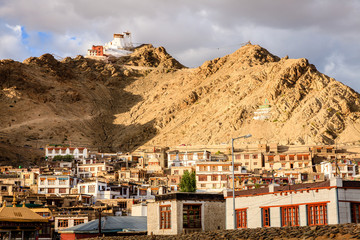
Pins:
x: 188, y: 182
x: 66, y: 158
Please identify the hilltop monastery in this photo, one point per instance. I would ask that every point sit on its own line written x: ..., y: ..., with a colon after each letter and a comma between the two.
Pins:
x: 119, y: 46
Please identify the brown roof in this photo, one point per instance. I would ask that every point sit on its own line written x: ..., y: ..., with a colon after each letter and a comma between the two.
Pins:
x: 19, y: 214
x: 281, y: 188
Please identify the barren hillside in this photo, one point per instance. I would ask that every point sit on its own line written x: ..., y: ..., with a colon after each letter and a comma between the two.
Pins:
x: 150, y: 98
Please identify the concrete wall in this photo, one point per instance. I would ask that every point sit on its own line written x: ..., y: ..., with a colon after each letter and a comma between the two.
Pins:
x: 346, y: 196
x: 212, y: 216
x: 139, y: 210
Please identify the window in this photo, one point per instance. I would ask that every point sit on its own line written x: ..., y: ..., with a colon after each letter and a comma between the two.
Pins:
x: 91, y: 188
x: 62, y: 190
x: 176, y: 172
x: 214, y: 168
x: 214, y: 177
x: 247, y: 163
x: 255, y: 163
x: 255, y: 156
x: 271, y: 158
x: 203, y: 185
x: 223, y: 177
x: 225, y: 168
x: 191, y: 216
x: 290, y: 216
x: 51, y: 182
x: 62, y: 182
x: 165, y: 217
x: 283, y: 165
x: 306, y: 157
x: 266, y: 217
x: 202, y: 178
x: 282, y: 157
x: 246, y: 156
x: 241, y: 218
x: 291, y: 157
x: 51, y: 190
x: 78, y: 221
x: 355, y: 212
x: 63, y: 223
x: 317, y: 214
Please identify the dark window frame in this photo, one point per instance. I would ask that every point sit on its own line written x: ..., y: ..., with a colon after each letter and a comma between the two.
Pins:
x: 165, y: 216
x: 192, y: 216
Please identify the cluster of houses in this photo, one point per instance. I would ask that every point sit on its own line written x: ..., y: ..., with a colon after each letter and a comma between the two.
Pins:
x: 139, y: 192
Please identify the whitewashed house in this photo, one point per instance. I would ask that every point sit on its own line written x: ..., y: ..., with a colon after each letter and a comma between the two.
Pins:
x: 187, y: 159
x: 56, y: 184
x: 335, y: 201
x: 76, y: 152
x: 344, y: 168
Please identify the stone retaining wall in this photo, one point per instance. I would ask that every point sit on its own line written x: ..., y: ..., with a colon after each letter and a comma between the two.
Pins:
x: 343, y: 231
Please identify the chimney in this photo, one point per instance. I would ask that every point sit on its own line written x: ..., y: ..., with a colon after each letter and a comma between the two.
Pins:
x: 336, y: 182
x: 272, y: 187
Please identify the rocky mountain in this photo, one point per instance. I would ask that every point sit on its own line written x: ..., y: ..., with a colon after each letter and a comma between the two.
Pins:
x: 149, y: 98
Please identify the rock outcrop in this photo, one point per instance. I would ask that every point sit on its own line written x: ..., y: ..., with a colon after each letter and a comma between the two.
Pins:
x: 150, y: 98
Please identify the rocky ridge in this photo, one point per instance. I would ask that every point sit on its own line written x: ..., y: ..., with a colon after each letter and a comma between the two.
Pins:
x: 149, y: 98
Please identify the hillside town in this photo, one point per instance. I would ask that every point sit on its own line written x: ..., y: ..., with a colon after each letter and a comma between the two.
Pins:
x: 141, y: 192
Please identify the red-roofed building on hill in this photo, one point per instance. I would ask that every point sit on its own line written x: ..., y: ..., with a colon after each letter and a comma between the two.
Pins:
x: 76, y: 152
x: 96, y: 51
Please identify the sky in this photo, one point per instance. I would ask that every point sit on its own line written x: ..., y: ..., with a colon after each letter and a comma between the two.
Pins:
x: 326, y: 32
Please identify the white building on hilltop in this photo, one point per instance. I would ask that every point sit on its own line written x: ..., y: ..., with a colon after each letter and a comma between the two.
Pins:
x: 119, y: 46
x: 120, y: 41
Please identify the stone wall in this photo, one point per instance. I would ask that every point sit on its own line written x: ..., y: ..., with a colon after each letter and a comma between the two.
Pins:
x: 343, y: 231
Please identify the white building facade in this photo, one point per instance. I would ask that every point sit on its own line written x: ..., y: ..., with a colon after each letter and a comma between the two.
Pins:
x: 56, y: 184
x: 330, y: 202
x: 92, y: 169
x: 214, y: 176
x: 187, y: 159
x: 344, y: 168
x: 77, y: 152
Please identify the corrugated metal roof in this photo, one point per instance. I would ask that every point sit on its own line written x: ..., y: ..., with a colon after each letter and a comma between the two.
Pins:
x: 111, y: 224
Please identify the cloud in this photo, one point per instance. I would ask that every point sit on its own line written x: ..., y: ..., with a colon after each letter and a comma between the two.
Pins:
x: 191, y: 31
